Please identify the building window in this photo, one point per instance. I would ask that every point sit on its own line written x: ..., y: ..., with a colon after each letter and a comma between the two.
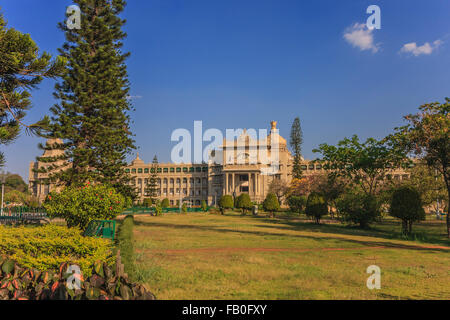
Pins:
x: 133, y: 170
x: 166, y: 170
x: 159, y: 170
x: 140, y: 170
x: 172, y: 169
x: 185, y: 169
x: 191, y: 169
x: 178, y: 169
x: 146, y: 170
x: 198, y: 169
x: 304, y: 167
x: 205, y: 169
x: 311, y: 167
x: 127, y: 170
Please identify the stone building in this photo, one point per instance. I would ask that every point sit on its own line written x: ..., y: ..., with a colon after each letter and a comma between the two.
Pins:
x: 243, y: 165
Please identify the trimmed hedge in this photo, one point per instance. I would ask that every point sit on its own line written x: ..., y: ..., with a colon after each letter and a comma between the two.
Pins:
x: 125, y: 244
x: 46, y: 247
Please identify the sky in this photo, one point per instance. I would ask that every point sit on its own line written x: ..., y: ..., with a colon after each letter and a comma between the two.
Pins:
x: 242, y: 63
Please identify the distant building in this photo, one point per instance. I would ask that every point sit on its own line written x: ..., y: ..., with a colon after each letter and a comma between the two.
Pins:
x: 241, y: 171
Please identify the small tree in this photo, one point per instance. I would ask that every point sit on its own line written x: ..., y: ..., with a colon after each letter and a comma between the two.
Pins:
x: 184, y: 208
x: 279, y: 188
x: 165, y: 203
x: 358, y: 208
x: 297, y: 203
x: 316, y: 207
x: 407, y: 206
x: 427, y: 134
x: 243, y: 202
x: 296, y: 144
x: 271, y: 204
x: 225, y: 202
x: 148, y: 202
x: 204, y: 206
x: 79, y: 205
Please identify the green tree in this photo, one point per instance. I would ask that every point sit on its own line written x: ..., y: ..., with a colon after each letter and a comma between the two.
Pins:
x: 21, y: 70
x: 165, y: 203
x: 297, y: 203
x: 79, y: 205
x: 331, y: 187
x: 365, y: 165
x: 91, y: 116
x: 14, y: 182
x: 204, y: 206
x: 271, y: 204
x: 296, y: 145
x: 359, y: 208
x: 427, y: 135
x: 225, y: 202
x: 279, y: 188
x: 316, y: 206
x: 243, y: 202
x: 407, y: 205
x: 147, y: 202
x: 153, y: 188
x: 429, y: 183
x: 184, y: 208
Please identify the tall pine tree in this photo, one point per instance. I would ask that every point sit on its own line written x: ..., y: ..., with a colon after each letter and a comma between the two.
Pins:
x: 92, y: 117
x: 21, y: 69
x: 152, y: 189
x: 296, y: 145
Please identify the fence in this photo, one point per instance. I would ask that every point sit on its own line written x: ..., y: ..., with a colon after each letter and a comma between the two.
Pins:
x: 22, y: 214
x: 145, y: 210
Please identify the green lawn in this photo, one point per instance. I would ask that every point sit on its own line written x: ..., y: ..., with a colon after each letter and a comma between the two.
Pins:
x: 205, y: 256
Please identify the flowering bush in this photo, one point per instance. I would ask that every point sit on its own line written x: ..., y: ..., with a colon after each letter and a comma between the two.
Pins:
x: 79, y: 205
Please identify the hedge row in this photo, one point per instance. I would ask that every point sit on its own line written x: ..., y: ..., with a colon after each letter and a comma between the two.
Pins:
x: 47, y: 247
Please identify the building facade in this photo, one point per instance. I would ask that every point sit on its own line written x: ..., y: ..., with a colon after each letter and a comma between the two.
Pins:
x: 242, y: 165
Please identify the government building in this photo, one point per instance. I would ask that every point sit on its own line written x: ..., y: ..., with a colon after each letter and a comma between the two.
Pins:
x: 245, y: 165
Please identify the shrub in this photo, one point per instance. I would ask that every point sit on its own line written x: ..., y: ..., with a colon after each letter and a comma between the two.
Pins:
x: 184, y: 208
x: 271, y: 204
x: 297, y: 203
x: 204, y: 206
x: 46, y: 247
x: 165, y: 203
x: 225, y: 202
x: 358, y: 208
x: 243, y: 202
x: 105, y: 283
x: 316, y: 206
x: 158, y: 209
x: 406, y: 205
x: 79, y: 205
x: 148, y: 202
x: 125, y: 245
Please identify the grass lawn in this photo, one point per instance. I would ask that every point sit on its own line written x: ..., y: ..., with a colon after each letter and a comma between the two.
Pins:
x: 206, y: 256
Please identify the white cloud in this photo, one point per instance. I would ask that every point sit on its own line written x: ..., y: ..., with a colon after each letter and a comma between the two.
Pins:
x: 361, y: 37
x: 426, y: 48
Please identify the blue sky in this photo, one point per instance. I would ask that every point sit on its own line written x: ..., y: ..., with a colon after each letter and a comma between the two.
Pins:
x: 242, y: 63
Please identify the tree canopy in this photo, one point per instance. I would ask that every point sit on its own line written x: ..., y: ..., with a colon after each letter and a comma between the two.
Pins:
x: 21, y: 70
